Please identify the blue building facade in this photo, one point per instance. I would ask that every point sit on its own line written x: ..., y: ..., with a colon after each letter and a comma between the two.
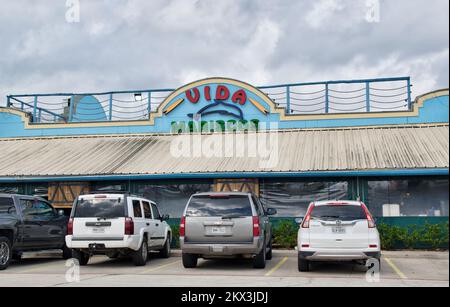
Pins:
x: 356, y: 139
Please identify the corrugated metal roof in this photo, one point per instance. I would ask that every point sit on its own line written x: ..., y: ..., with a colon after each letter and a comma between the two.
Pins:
x: 370, y: 148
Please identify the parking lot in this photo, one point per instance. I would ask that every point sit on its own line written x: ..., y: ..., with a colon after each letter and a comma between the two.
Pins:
x: 398, y: 269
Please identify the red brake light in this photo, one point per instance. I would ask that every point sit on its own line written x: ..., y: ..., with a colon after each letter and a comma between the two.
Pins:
x: 129, y: 226
x: 183, y: 227
x: 370, y: 219
x: 307, y: 219
x: 373, y: 246
x: 256, y: 228
x: 70, y: 227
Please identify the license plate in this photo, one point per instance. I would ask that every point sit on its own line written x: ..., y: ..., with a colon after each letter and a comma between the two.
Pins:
x: 218, y: 230
x: 98, y: 230
x: 339, y: 230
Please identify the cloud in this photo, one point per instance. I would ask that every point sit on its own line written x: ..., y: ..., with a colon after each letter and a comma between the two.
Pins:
x: 129, y: 44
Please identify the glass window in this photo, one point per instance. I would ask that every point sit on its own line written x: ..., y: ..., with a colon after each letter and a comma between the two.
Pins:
x: 171, y: 197
x: 292, y: 198
x: 104, y: 208
x: 343, y: 213
x: 258, y: 208
x: 230, y: 205
x: 156, y: 214
x: 137, y: 211
x: 10, y: 189
x: 32, y: 209
x: 7, y: 205
x: 110, y: 186
x: 147, y: 210
x: 408, y: 197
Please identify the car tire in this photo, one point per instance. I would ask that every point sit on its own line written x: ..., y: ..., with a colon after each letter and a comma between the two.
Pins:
x: 5, y: 253
x: 190, y: 261
x: 379, y: 264
x: 269, y: 254
x: 303, y: 264
x: 259, y: 262
x: 140, y: 256
x: 17, y: 257
x: 66, y: 252
x: 82, y: 257
x: 165, y: 252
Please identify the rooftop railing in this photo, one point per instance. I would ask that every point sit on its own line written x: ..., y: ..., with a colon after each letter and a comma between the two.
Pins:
x: 330, y: 97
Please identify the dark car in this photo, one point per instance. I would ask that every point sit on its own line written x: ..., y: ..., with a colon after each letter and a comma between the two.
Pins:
x: 27, y: 224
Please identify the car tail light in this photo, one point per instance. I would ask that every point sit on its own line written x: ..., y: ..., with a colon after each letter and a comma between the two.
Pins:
x: 373, y: 246
x: 307, y: 219
x: 70, y: 227
x: 183, y: 227
x: 370, y: 219
x: 256, y: 227
x: 305, y: 245
x: 129, y: 226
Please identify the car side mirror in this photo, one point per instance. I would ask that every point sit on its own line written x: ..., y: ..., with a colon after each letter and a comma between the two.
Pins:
x: 299, y: 220
x: 271, y: 211
x: 165, y: 217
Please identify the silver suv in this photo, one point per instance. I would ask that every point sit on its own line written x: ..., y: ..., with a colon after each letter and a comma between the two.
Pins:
x: 219, y: 225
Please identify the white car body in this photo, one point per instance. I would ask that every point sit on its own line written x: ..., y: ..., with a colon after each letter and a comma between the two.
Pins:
x: 95, y: 235
x: 336, y: 239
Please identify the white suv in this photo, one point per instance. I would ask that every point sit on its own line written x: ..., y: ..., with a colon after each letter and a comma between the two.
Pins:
x: 337, y: 231
x: 117, y: 225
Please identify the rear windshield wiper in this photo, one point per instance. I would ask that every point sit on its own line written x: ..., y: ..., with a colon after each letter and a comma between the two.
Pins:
x: 329, y: 217
x: 230, y: 217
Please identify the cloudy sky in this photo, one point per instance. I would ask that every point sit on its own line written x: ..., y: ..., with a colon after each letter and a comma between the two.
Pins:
x: 142, y: 44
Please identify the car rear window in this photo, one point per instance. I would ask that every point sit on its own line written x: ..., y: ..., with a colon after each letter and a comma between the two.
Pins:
x: 7, y: 205
x: 219, y: 206
x: 103, y: 208
x: 341, y: 212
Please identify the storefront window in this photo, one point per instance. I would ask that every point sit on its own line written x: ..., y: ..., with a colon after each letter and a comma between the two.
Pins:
x: 171, y: 197
x: 409, y: 197
x: 292, y: 199
x: 9, y: 189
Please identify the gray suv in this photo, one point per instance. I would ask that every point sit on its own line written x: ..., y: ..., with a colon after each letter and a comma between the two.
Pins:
x: 222, y: 225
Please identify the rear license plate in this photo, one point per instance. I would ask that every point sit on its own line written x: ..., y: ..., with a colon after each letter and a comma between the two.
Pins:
x: 217, y: 249
x: 98, y: 230
x: 218, y: 230
x: 338, y: 230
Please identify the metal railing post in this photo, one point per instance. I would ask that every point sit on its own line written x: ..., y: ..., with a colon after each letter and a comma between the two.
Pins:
x: 409, y: 93
x: 368, y: 96
x: 288, y: 100
x: 35, y: 109
x: 110, y: 106
x: 149, y: 104
x: 8, y: 101
x: 71, y: 106
x: 327, y: 98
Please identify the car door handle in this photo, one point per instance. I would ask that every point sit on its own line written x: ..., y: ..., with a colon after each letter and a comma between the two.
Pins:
x: 148, y: 224
x: 157, y: 225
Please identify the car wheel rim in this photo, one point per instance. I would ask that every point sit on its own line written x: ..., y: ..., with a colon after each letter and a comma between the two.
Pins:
x: 4, y: 253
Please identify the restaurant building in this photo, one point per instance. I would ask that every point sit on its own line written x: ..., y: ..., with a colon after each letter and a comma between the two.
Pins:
x: 290, y: 144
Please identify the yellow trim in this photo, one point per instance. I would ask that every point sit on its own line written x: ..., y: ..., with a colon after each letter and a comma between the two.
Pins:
x: 174, y: 106
x: 259, y: 106
x: 274, y: 109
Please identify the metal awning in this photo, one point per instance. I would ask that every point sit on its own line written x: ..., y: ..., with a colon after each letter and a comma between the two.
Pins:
x: 299, y: 151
